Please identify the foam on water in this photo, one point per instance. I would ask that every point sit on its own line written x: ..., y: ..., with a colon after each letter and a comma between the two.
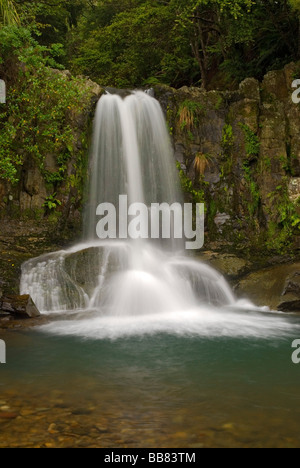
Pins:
x: 202, y: 322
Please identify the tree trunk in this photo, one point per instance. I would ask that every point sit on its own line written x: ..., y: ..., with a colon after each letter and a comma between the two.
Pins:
x: 200, y: 61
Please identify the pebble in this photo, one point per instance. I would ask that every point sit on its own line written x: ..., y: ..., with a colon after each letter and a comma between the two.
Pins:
x: 52, y: 429
x: 26, y: 412
x: 42, y: 410
x: 5, y: 408
x: 81, y: 412
x: 101, y: 429
x: 49, y: 445
x: 180, y: 435
x: 8, y: 415
x: 228, y: 426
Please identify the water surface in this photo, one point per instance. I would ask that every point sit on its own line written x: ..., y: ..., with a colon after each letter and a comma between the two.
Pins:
x: 175, y: 389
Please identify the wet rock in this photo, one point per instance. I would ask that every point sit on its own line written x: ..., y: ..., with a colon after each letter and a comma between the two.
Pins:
x: 19, y: 306
x: 274, y: 85
x: 291, y: 294
x: 220, y: 220
x: 229, y: 265
x: 294, y: 189
x: 290, y: 306
x: 292, y: 284
x: 276, y: 287
x: 250, y: 89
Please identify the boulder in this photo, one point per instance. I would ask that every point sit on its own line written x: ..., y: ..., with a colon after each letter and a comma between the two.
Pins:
x: 229, y: 265
x: 21, y: 306
x: 277, y: 287
x: 250, y: 89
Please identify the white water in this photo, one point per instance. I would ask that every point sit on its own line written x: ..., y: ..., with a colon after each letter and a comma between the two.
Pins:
x: 131, y: 155
x: 117, y: 288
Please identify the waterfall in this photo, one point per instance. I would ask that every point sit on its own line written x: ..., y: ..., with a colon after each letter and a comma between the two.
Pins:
x: 131, y: 155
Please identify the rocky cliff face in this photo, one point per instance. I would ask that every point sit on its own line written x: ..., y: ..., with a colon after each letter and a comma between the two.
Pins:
x: 241, y: 152
x: 238, y: 151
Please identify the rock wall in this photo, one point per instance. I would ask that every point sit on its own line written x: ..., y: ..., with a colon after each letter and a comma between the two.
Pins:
x: 241, y: 150
x: 238, y: 151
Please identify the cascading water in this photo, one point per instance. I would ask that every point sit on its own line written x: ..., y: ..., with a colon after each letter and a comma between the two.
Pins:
x: 106, y: 282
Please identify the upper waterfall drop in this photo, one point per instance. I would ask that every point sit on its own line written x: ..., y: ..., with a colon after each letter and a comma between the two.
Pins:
x: 131, y: 154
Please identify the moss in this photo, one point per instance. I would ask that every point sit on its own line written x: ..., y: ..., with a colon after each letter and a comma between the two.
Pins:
x: 219, y: 103
x: 196, y: 196
x: 264, y: 165
x: 280, y: 234
x: 252, y: 143
x: 228, y: 139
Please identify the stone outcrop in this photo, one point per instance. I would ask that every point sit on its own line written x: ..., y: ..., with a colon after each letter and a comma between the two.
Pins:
x: 249, y: 145
x: 277, y: 287
x: 19, y: 306
x: 241, y: 149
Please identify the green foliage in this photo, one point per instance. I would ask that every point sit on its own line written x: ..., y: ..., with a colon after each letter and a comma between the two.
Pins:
x: 280, y: 234
x: 219, y: 103
x: 253, y: 189
x: 8, y: 13
x: 251, y: 140
x: 295, y: 4
x: 127, y: 46
x: 265, y: 165
x: 170, y: 120
x: 134, y: 43
x: 40, y: 101
x: 51, y: 202
x: 228, y: 139
x: 197, y: 196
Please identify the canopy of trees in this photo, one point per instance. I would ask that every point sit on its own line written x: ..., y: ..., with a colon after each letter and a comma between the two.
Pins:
x: 209, y: 43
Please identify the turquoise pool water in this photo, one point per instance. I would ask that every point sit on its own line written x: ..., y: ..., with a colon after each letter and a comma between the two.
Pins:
x: 161, y: 389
